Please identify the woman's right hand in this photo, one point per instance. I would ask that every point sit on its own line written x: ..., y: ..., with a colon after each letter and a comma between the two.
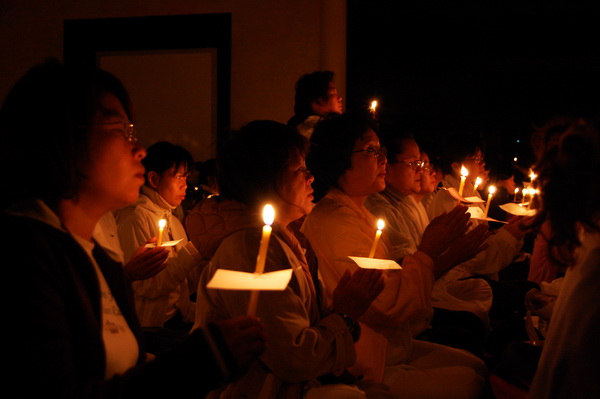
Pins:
x: 146, y: 262
x: 355, y: 293
x: 443, y: 230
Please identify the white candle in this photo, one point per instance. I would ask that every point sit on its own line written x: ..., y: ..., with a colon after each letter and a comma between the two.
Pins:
x: 516, y: 192
x: 525, y: 192
x: 532, y: 192
x: 464, y: 172
x: 380, y: 225
x: 161, y: 227
x: 268, y: 218
x: 491, y: 192
x: 477, y: 183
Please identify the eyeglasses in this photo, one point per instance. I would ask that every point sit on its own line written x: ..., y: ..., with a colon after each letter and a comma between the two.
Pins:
x: 415, y: 165
x: 128, y: 130
x: 374, y: 151
x: 426, y: 167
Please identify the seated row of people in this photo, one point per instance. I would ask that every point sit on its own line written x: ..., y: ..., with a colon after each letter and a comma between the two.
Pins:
x: 335, y: 331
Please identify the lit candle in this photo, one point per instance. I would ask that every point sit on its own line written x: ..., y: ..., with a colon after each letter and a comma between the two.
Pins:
x: 515, y: 159
x: 161, y: 227
x: 268, y: 217
x: 373, y: 107
x: 477, y: 183
x: 491, y: 192
x: 464, y: 172
x: 525, y: 192
x: 380, y: 225
x: 532, y: 176
x: 532, y: 192
x: 516, y: 192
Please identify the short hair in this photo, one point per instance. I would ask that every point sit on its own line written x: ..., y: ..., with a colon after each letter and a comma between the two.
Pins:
x: 252, y: 163
x: 163, y: 156
x: 45, y: 127
x: 331, y: 148
x: 393, y: 137
x: 457, y: 147
x: 311, y: 87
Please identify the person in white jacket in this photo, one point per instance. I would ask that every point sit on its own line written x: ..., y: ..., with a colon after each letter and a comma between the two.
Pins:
x: 163, y: 300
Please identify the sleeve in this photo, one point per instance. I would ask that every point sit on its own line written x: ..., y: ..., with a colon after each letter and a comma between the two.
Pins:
x: 55, y: 344
x: 407, y: 293
x: 396, y: 229
x: 502, y: 248
x: 135, y: 230
x: 298, y: 350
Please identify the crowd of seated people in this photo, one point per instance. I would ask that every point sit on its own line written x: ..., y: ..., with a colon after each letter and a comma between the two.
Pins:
x: 100, y: 307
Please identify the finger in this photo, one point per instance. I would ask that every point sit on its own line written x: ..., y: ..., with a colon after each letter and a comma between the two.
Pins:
x: 345, y: 279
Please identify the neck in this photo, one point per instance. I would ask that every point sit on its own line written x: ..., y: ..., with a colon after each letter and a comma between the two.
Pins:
x: 78, y: 218
x: 418, y: 196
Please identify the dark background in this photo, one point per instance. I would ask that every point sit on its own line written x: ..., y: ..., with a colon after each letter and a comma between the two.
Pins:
x: 500, y: 71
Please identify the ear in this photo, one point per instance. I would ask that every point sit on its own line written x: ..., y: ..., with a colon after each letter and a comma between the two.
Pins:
x: 153, y: 179
x: 317, y: 106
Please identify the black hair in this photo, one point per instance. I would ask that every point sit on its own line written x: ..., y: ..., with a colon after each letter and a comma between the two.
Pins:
x: 310, y: 87
x: 252, y: 163
x: 163, y: 155
x: 44, y: 130
x: 569, y: 176
x: 457, y: 147
x: 331, y: 148
x: 393, y: 138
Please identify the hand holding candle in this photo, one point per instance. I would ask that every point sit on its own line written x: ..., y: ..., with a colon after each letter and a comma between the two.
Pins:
x: 491, y: 192
x: 268, y: 218
x: 380, y: 225
x: 464, y: 172
x: 161, y: 227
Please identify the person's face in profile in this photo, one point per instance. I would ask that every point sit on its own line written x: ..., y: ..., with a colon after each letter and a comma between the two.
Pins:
x: 333, y: 104
x: 171, y: 184
x: 113, y: 171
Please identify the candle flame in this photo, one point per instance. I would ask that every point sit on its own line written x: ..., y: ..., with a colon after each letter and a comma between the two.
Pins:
x: 516, y: 190
x: 162, y: 223
x: 380, y: 224
x: 477, y: 182
x: 532, y: 175
x: 373, y: 105
x: 525, y: 191
x: 515, y: 159
x: 268, y: 214
x: 492, y: 190
x: 464, y: 171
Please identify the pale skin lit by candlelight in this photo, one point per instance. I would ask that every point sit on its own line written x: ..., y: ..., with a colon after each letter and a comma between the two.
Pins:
x: 380, y: 225
x: 491, y: 192
x: 268, y: 218
x: 161, y: 227
x: 463, y: 177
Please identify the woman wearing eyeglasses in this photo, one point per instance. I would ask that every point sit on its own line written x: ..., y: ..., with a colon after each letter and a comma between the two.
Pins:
x: 73, y: 328
x: 349, y: 164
